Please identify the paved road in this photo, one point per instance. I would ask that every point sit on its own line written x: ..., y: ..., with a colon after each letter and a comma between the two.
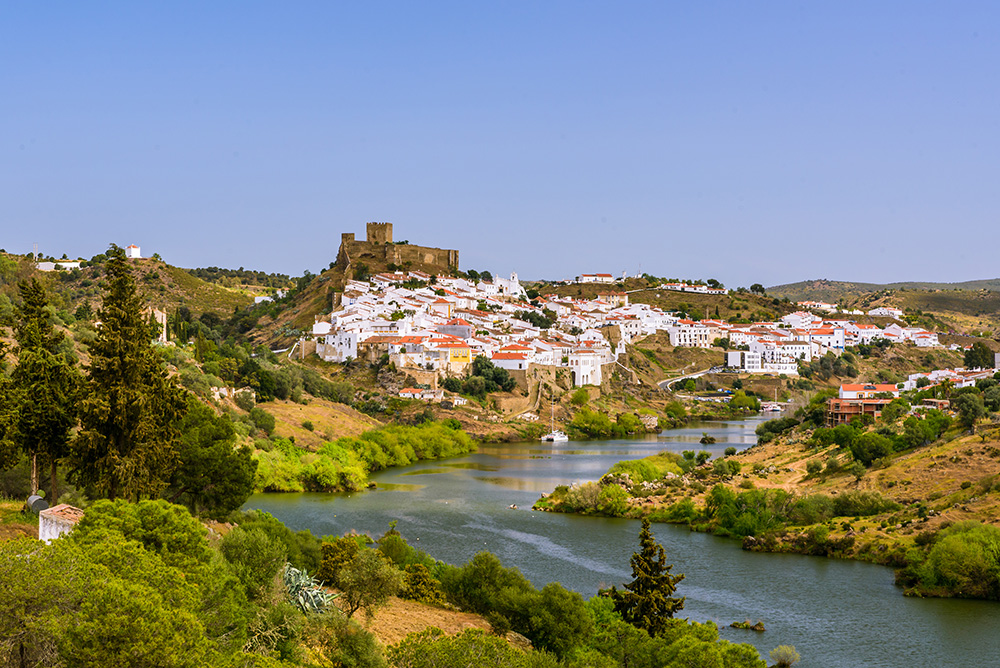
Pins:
x: 665, y: 384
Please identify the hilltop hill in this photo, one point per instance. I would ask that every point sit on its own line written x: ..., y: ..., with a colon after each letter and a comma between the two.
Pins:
x: 745, y: 306
x: 821, y: 289
x: 163, y: 286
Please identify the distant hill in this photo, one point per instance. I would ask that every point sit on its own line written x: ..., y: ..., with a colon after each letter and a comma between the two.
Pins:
x: 164, y: 286
x: 830, y: 291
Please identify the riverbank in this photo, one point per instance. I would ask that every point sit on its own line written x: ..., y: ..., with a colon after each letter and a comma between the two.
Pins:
x: 456, y: 507
x: 913, y: 511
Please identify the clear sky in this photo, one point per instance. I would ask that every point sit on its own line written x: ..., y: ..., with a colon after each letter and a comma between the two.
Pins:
x: 747, y: 141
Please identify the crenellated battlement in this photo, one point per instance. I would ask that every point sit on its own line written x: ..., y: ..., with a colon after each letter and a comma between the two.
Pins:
x: 380, y: 233
x: 379, y: 248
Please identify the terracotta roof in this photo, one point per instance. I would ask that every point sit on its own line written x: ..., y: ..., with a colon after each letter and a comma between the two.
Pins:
x: 510, y: 356
x: 871, y: 387
x: 64, y: 512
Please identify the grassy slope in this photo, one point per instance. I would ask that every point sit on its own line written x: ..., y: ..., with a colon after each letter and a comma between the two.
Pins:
x: 933, y: 475
x: 163, y: 286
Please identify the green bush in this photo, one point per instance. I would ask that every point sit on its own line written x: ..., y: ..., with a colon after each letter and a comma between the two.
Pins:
x: 245, y: 401
x: 580, y: 397
x: 862, y: 504
x: 262, y: 420
x: 964, y: 561
x: 255, y: 558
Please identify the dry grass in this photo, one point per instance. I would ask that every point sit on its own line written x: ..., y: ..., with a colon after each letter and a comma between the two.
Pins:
x: 402, y: 617
x: 14, y: 523
x: 330, y: 421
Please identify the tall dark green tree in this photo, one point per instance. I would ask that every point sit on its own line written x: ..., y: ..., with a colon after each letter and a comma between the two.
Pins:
x: 128, y: 441
x: 8, y: 449
x: 45, y: 385
x: 979, y: 356
x: 213, y: 477
x: 646, y: 601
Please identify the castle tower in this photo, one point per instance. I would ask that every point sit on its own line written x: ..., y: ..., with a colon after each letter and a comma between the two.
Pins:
x: 380, y: 233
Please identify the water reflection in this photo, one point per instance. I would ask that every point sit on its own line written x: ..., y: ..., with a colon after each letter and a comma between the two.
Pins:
x: 476, y: 466
x: 398, y: 487
x: 533, y: 484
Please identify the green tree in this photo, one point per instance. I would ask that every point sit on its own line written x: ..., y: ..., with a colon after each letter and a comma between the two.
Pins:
x: 368, y: 581
x: 646, y: 601
x: 970, y: 409
x: 979, y: 356
x: 45, y: 385
x: 127, y: 445
x: 870, y: 446
x: 255, y: 557
x: 214, y: 477
x: 741, y: 402
x: 8, y: 415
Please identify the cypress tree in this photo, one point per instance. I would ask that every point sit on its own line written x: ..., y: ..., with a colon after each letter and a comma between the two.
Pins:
x: 127, y: 445
x: 646, y: 601
x: 45, y: 385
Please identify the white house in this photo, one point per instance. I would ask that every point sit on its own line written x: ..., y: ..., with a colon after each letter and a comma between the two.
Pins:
x: 595, y: 278
x: 338, y: 345
x: 886, y: 311
x: 58, y: 264
x: 585, y: 365
x: 690, y: 334
x: 801, y: 320
x: 510, y: 361
x: 862, y: 333
x: 744, y: 360
x: 926, y: 339
x: 866, y: 390
x: 132, y: 252
x: 54, y: 522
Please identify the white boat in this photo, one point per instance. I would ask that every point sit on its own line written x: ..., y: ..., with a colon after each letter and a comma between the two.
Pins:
x: 554, y: 436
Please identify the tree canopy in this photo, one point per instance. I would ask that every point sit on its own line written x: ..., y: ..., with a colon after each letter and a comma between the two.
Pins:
x: 127, y: 445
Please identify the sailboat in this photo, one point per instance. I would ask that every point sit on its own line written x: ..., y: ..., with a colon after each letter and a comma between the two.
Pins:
x: 555, y: 435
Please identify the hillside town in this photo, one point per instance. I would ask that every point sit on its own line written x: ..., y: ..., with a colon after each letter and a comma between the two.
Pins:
x: 440, y: 323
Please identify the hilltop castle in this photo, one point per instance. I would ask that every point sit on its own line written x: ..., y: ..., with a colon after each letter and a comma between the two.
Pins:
x: 379, y: 248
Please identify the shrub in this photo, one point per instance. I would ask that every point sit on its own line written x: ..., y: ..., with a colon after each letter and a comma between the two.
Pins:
x: 784, y: 656
x: 580, y: 397
x: 255, y: 558
x: 861, y: 504
x: 965, y: 561
x: 245, y: 401
x: 308, y: 425
x: 730, y: 451
x: 262, y: 420
x: 813, y: 466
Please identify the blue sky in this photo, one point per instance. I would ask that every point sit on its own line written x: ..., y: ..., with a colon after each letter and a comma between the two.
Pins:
x: 750, y: 142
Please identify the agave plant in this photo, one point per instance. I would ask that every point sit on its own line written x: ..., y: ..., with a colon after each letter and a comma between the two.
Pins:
x: 305, y: 591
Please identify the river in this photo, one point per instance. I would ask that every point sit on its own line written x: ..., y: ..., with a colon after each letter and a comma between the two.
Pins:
x: 836, y: 613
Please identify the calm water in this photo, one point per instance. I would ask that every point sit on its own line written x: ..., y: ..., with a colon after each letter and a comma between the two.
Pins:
x: 836, y: 613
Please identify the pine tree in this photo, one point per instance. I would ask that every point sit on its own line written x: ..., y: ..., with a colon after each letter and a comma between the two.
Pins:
x: 127, y: 445
x: 646, y: 602
x: 8, y: 449
x: 45, y: 385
